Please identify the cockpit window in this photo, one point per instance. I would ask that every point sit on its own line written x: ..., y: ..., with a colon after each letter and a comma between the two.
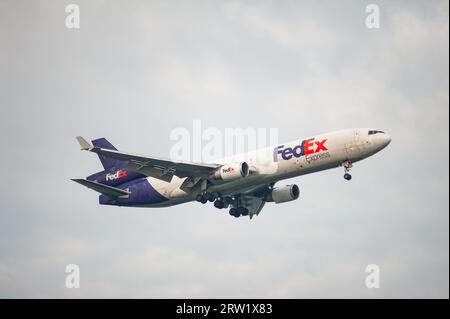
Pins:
x: 375, y: 132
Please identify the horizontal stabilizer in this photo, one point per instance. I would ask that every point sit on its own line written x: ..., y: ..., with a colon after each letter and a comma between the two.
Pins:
x: 104, y: 189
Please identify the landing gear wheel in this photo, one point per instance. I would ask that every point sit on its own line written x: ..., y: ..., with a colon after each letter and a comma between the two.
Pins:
x: 243, y: 211
x: 219, y: 204
x: 202, y: 198
x: 211, y: 197
x: 347, y: 167
x: 234, y: 212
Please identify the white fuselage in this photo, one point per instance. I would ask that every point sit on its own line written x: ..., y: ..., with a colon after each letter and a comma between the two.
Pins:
x: 287, y: 160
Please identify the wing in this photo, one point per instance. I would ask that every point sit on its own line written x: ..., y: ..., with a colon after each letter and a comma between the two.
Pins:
x: 155, y: 167
x: 253, y: 199
x: 253, y: 204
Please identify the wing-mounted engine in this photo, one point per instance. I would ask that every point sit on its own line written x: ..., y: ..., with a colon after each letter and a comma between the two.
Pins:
x: 231, y: 171
x: 283, y: 194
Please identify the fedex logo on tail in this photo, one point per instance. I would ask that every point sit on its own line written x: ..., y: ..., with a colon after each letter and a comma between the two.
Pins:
x: 118, y: 174
x: 306, y: 147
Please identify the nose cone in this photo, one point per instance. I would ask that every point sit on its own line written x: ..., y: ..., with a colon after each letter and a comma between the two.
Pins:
x: 386, y: 140
x: 383, y: 140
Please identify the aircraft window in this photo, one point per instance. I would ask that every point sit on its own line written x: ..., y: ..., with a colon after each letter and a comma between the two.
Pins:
x: 375, y: 132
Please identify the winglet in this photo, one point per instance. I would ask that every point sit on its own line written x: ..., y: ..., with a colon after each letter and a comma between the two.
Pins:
x: 83, y: 143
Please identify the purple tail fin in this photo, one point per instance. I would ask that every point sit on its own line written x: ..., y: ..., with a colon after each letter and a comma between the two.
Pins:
x: 108, y: 163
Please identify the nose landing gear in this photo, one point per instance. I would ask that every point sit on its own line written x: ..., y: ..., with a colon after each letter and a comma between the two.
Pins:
x: 347, y: 167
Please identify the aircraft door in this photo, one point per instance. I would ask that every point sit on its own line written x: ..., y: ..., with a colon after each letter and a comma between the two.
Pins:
x: 356, y: 148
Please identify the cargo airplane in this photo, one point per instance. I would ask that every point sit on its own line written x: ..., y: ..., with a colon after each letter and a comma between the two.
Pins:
x: 243, y: 183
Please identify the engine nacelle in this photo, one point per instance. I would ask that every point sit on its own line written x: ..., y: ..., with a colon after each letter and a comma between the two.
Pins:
x: 283, y: 194
x: 232, y: 171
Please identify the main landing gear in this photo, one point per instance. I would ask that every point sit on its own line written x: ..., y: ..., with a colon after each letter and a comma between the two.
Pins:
x: 347, y: 167
x: 237, y: 212
x: 223, y: 202
x: 205, y: 197
x: 219, y: 202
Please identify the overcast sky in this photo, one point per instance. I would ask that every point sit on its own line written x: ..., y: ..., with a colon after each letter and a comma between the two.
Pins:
x: 136, y: 70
